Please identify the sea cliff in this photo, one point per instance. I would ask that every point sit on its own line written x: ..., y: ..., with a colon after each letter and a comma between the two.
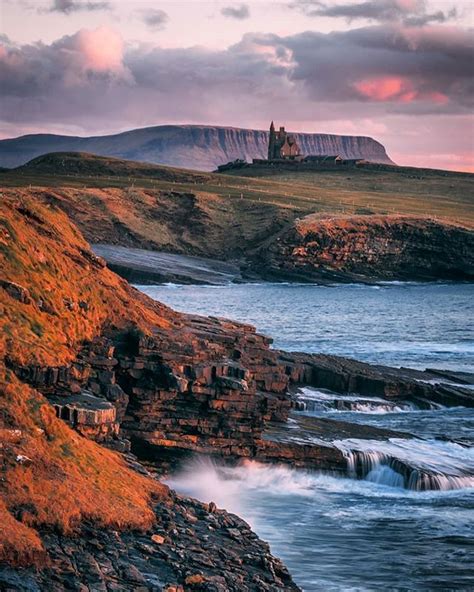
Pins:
x: 91, y: 368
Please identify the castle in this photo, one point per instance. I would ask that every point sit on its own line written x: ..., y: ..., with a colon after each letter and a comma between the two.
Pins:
x: 284, y: 153
x: 282, y: 145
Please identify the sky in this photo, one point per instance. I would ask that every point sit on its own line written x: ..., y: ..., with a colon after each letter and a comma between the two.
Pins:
x: 400, y: 71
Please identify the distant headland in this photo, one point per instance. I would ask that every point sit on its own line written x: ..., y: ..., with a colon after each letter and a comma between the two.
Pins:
x: 198, y: 147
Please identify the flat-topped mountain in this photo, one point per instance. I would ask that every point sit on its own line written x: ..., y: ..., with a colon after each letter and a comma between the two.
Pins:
x: 197, y: 147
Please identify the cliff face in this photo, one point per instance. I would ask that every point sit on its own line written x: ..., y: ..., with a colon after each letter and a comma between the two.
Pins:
x: 80, y: 348
x: 193, y: 222
x: 195, y: 147
x: 71, y: 333
x: 369, y: 247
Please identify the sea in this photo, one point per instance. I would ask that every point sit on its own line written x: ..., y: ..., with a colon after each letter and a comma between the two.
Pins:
x: 369, y: 531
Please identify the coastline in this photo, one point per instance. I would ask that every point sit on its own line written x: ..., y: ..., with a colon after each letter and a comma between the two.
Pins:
x: 149, y: 267
x: 166, y: 385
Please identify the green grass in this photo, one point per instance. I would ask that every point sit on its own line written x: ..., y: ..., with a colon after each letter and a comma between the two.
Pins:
x: 420, y: 192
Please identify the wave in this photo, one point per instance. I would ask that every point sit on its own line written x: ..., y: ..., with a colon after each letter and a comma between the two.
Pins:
x: 231, y: 487
x: 315, y: 400
x: 411, y: 463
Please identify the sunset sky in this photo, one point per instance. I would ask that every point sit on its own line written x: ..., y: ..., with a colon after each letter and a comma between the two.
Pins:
x: 400, y: 71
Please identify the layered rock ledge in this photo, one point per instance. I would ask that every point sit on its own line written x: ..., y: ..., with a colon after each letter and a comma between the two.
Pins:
x: 118, y: 367
x: 214, y: 387
x: 368, y: 248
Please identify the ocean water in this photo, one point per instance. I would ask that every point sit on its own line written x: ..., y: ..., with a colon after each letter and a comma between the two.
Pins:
x: 373, y: 530
x: 401, y: 324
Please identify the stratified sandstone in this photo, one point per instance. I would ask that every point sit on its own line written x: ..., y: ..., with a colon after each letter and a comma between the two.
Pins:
x: 366, y: 248
x: 83, y: 515
x: 116, y: 366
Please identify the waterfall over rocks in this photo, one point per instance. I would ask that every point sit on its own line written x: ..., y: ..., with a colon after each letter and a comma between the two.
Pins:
x: 418, y: 465
x: 316, y: 400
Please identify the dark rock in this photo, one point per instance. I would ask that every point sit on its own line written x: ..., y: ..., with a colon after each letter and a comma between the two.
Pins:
x: 16, y: 291
x: 368, y: 248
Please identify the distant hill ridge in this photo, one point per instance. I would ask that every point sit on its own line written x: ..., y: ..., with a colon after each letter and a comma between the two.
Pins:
x: 196, y: 147
x: 85, y: 164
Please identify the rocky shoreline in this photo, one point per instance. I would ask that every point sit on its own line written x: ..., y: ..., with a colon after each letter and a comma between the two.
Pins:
x: 125, y: 372
x: 363, y: 249
x: 193, y: 546
x: 219, y: 391
x: 368, y: 248
x: 141, y: 266
x: 214, y: 386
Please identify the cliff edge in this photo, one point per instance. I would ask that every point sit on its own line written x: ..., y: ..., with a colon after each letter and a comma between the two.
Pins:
x: 368, y: 248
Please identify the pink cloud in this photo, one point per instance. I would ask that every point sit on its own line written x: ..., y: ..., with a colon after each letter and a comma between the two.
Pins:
x: 100, y: 50
x: 396, y: 89
x: 381, y: 89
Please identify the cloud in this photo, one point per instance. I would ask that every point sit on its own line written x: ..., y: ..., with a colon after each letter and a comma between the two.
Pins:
x: 410, y: 12
x: 396, y: 89
x: 93, y: 81
x: 69, y: 6
x: 155, y: 18
x: 407, y: 69
x: 73, y: 65
x: 237, y: 12
x: 100, y: 50
x: 399, y: 67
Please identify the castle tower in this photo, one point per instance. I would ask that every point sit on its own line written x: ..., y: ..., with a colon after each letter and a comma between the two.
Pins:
x: 271, y: 142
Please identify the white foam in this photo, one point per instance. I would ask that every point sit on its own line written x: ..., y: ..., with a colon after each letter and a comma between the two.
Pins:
x: 232, y: 487
x: 319, y: 400
x: 424, y: 464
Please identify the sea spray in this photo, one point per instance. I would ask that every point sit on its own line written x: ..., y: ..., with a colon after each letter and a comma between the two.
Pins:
x: 209, y: 480
x: 334, y: 532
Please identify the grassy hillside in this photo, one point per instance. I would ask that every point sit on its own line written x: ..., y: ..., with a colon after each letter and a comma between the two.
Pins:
x: 52, y: 296
x: 381, y: 189
x: 225, y: 216
x: 82, y: 164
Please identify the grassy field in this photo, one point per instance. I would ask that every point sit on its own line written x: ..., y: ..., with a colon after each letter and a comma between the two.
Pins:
x: 284, y: 194
x: 365, y: 191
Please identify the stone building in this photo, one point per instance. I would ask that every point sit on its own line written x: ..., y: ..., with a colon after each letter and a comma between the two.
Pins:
x: 282, y: 145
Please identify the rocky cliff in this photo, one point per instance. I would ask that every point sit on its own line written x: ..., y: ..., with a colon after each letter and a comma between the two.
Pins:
x: 366, y: 248
x: 81, y: 513
x: 260, y: 238
x: 188, y: 146
x: 86, y: 359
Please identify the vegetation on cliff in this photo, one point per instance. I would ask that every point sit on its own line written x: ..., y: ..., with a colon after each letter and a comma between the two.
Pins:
x: 225, y: 216
x: 55, y: 294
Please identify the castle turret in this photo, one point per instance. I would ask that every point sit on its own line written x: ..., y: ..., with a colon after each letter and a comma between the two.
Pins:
x: 282, y: 145
x: 271, y: 142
